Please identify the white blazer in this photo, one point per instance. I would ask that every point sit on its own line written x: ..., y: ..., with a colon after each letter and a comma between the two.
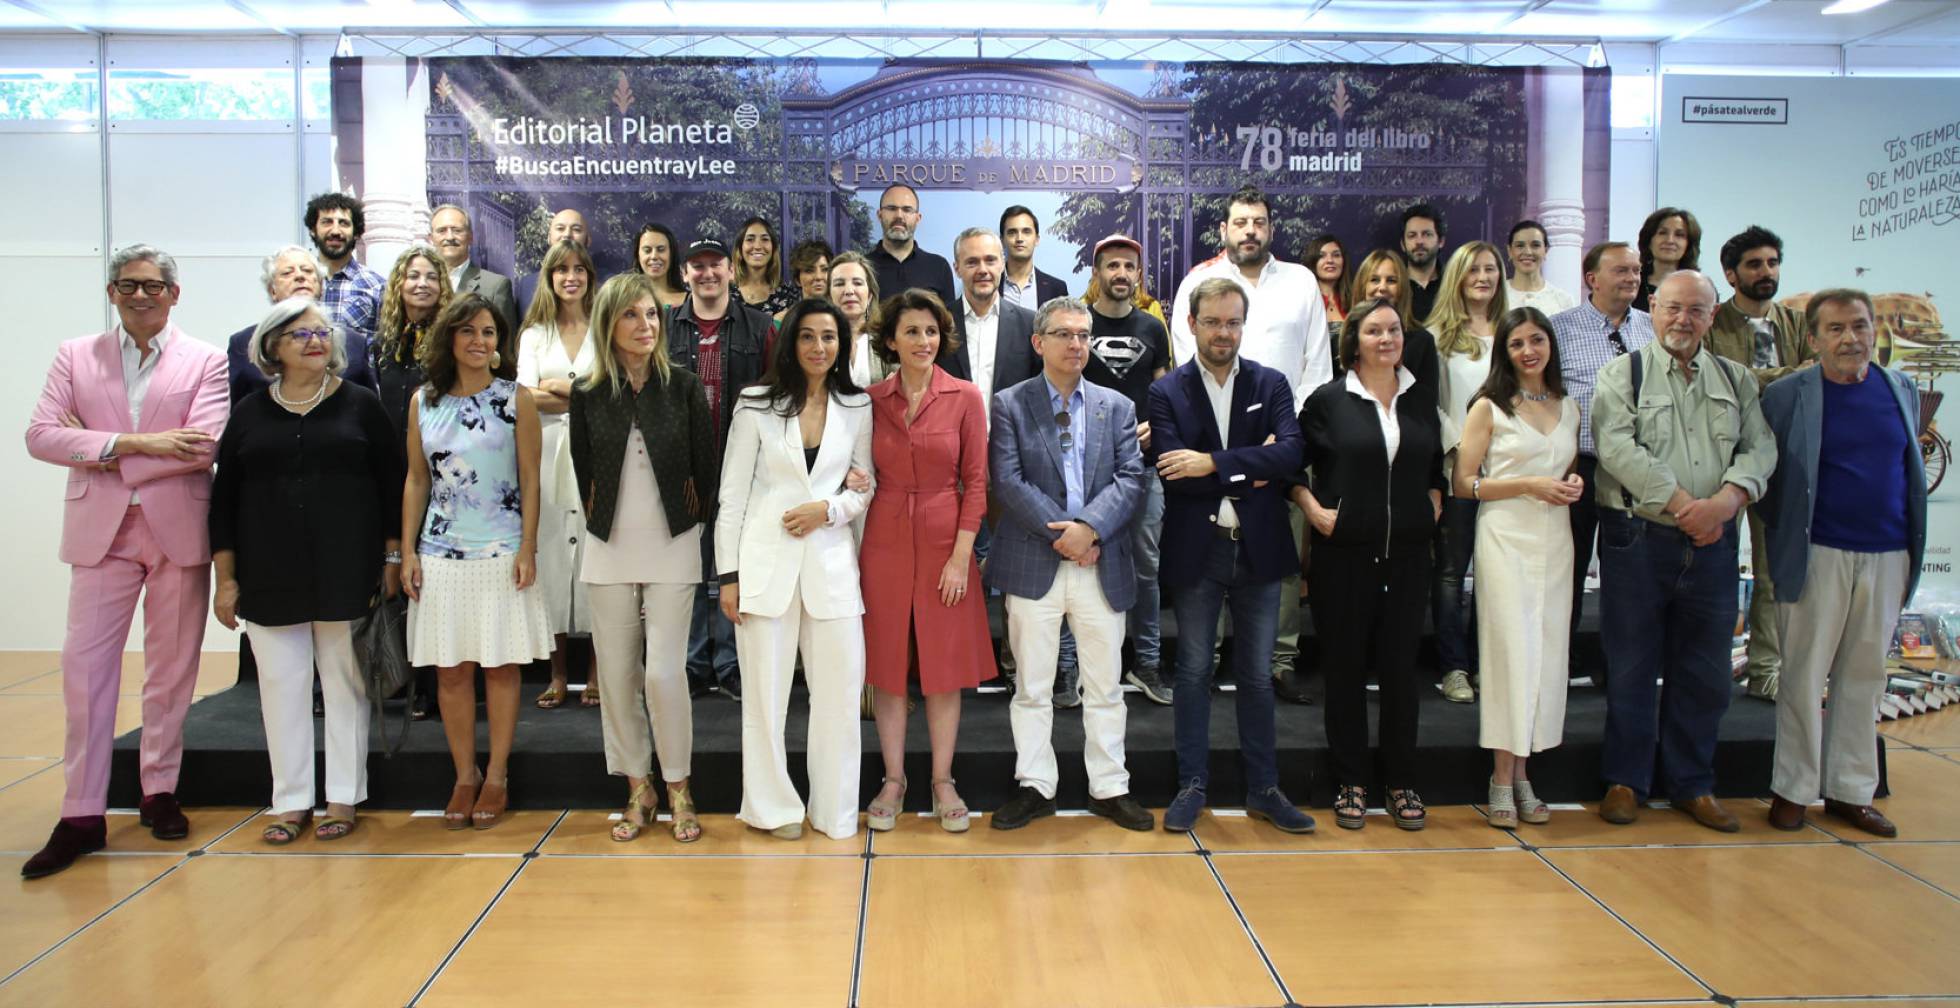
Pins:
x: 763, y: 476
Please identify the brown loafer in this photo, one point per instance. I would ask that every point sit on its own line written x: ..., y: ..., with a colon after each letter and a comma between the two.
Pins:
x: 1707, y: 811
x: 1784, y: 814
x: 1862, y: 817
x: 1619, y: 807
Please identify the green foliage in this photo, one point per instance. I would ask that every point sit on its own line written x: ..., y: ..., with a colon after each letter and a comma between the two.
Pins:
x: 44, y: 99
x: 233, y: 96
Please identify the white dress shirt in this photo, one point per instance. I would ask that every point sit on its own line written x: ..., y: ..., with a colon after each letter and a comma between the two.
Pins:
x: 137, y: 370
x: 1385, y: 414
x: 456, y: 275
x: 1220, y: 394
x: 1285, y: 322
x: 982, y: 333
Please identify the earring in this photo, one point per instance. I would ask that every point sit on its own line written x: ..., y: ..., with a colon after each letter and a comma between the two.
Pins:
x: 496, y: 359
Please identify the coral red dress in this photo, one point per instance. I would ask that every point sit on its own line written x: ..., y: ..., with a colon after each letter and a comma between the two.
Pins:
x: 932, y: 485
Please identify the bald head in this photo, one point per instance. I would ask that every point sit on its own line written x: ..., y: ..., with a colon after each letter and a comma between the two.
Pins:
x: 569, y: 225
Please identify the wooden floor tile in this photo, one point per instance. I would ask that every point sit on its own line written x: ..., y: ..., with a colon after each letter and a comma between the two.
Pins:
x: 704, y: 932
x: 34, y: 724
x: 1750, y: 921
x: 1953, y: 1002
x: 588, y: 832
x: 28, y: 810
x: 1084, y: 932
x: 223, y: 931
x: 1451, y: 827
x: 36, y: 914
x: 1663, y: 825
x: 15, y: 770
x: 1463, y: 926
x: 393, y: 832
x: 1922, y: 805
x: 17, y: 667
x: 1938, y: 863
x: 1939, y: 728
x: 216, y: 670
x: 1061, y: 834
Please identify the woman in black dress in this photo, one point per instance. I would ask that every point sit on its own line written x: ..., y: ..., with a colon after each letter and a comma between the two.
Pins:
x: 303, y: 528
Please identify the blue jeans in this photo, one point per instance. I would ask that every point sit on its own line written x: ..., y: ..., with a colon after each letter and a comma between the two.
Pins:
x: 1146, y: 637
x: 1450, y: 608
x: 1255, y: 615
x: 710, y: 641
x: 1667, y: 611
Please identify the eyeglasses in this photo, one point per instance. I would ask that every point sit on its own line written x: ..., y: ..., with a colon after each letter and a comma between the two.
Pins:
x: 1619, y: 345
x: 1068, y: 335
x: 1062, y: 421
x: 309, y: 335
x: 150, y: 287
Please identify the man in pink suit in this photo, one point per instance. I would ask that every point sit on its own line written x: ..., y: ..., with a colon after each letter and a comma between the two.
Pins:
x: 134, y: 413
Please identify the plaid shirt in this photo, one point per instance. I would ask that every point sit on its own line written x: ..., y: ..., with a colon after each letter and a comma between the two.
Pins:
x: 1584, y: 347
x: 353, y: 297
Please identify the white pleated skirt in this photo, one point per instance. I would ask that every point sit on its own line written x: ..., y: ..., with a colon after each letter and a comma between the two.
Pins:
x: 471, y: 611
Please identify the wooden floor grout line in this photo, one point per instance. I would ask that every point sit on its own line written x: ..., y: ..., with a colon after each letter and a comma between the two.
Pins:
x: 1615, y: 914
x: 870, y: 856
x: 93, y: 921
x: 1251, y: 935
x: 523, y: 861
x: 1901, y: 869
x: 53, y: 762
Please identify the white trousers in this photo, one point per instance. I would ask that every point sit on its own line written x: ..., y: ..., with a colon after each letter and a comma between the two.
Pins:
x: 639, y: 643
x: 287, y: 656
x: 1034, y: 628
x: 833, y: 668
x: 1836, y: 635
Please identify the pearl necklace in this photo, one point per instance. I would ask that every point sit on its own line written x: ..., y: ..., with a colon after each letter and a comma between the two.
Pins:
x: 278, y: 386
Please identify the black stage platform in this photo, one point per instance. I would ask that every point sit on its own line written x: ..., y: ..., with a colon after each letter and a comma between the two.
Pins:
x: 558, y: 762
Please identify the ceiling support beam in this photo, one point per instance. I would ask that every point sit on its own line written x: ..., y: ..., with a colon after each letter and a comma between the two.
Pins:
x: 1712, y: 22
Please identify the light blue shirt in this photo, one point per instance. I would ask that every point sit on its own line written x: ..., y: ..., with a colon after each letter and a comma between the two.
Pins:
x: 1077, y: 443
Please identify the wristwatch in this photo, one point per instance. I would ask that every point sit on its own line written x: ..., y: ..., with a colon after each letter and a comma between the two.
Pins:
x: 392, y: 557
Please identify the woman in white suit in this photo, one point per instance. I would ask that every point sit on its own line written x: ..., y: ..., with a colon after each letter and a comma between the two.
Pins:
x: 795, y: 474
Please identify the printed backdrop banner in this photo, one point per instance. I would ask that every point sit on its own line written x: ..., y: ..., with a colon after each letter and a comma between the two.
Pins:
x: 1146, y: 149
x: 1860, y: 177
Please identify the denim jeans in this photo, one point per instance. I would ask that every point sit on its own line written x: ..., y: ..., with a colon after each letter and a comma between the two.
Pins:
x: 1146, y: 636
x: 1255, y: 608
x: 1667, y: 612
x: 1451, y: 608
x: 710, y: 641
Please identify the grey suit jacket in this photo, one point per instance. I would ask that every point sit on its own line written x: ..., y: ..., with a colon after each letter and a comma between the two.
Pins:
x: 1024, y: 466
x: 1794, y: 408
x: 496, y: 289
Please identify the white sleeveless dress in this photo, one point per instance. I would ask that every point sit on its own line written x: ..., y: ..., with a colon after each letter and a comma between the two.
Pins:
x: 1524, y: 589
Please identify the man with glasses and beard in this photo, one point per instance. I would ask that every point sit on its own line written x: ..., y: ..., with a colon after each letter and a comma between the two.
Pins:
x: 897, y: 259
x: 1683, y: 447
x: 1603, y: 326
x: 1768, y: 339
x: 352, y: 292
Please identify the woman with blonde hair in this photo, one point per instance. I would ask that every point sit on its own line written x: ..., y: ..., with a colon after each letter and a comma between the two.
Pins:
x: 643, y: 454
x: 417, y: 292
x: 854, y: 289
x: 1469, y: 303
x: 1381, y: 276
x: 552, y: 353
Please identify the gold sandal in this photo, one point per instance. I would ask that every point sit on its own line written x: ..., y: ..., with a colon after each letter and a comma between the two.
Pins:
x: 335, y: 828
x: 285, y: 831
x: 552, y: 698
x: 626, y: 830
x: 687, y: 828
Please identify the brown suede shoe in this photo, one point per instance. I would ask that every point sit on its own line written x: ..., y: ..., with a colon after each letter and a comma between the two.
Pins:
x: 1862, y: 817
x: 1710, y: 813
x: 1784, y: 814
x: 1619, y: 807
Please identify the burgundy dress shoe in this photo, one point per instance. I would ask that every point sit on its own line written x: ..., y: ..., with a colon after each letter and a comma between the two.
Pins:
x: 162, y: 815
x: 1705, y: 810
x: 1862, y: 817
x: 71, y: 839
x: 1784, y: 814
x: 1619, y: 807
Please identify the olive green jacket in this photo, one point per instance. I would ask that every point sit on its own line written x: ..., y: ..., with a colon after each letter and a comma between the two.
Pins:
x: 1730, y: 336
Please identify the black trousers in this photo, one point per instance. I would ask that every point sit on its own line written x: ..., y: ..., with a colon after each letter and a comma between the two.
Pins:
x: 1367, y: 615
x: 1584, y: 516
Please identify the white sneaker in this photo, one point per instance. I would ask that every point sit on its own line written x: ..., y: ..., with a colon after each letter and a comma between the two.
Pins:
x: 1455, y: 687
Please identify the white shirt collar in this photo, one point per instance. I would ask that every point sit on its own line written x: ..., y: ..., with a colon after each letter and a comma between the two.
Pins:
x: 1205, y: 373
x: 1403, y: 382
x: 128, y: 342
x: 991, y: 312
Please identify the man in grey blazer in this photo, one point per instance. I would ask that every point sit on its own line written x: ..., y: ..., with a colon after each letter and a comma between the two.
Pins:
x: 1067, y: 477
x: 1845, y: 514
x: 450, y: 232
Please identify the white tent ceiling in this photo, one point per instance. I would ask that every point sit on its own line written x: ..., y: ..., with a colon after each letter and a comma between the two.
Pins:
x: 1897, y: 22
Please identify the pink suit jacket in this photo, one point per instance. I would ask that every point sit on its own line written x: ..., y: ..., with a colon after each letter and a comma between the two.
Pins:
x: 187, y: 390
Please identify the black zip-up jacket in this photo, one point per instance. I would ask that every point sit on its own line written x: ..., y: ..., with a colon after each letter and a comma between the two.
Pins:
x: 1382, y: 509
x: 744, y: 339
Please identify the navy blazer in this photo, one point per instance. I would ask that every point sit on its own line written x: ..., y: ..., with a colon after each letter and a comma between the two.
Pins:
x: 1014, y: 357
x: 1181, y: 417
x: 1794, y: 408
x: 245, y: 378
x: 1024, y: 479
